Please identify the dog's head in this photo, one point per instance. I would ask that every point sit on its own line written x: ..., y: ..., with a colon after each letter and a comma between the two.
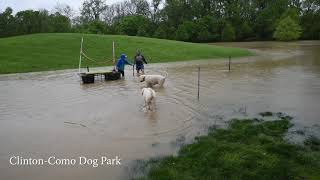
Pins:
x: 142, y: 78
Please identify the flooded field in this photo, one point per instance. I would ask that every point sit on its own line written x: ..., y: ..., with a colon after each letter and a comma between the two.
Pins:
x: 52, y: 114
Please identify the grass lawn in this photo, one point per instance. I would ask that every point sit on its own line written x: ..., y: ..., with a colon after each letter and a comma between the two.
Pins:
x: 40, y: 52
x: 247, y: 149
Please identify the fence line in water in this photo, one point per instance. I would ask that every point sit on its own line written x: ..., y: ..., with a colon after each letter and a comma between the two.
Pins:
x: 198, y: 93
x: 198, y: 82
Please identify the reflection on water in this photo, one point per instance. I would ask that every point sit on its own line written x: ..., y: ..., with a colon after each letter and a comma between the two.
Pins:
x: 52, y: 113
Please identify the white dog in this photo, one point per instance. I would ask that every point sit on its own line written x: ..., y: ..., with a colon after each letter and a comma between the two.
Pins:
x: 149, y: 96
x: 152, y: 80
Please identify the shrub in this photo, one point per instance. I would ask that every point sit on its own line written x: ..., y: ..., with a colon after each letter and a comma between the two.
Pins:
x: 131, y: 25
x: 228, y: 33
x: 185, y: 31
x: 287, y: 30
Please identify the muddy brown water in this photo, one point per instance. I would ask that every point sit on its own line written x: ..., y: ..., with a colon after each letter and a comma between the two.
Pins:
x: 52, y: 114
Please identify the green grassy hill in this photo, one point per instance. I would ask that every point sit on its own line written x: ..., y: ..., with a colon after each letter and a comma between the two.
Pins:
x: 40, y: 52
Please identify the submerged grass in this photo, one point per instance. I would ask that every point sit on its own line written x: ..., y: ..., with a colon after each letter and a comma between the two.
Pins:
x: 247, y: 149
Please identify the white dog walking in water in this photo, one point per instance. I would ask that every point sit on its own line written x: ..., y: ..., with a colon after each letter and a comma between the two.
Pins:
x: 152, y: 80
x: 149, y: 96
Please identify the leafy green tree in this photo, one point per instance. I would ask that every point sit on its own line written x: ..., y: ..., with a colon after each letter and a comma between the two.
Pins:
x: 287, y: 30
x: 267, y: 14
x: 245, y: 31
x: 185, y: 31
x: 202, y: 29
x: 161, y: 32
x: 293, y: 13
x: 164, y: 31
x: 28, y: 22
x: 60, y: 23
x: 203, y: 36
x: 311, y: 25
x: 186, y: 20
x: 177, y: 11
x: 45, y: 22
x: 7, y: 23
x: 310, y: 19
x: 130, y: 25
x: 228, y: 33
x: 96, y: 27
x: 143, y: 31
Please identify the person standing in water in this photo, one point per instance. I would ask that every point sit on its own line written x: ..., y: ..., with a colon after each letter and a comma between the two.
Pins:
x: 138, y: 61
x: 121, y: 63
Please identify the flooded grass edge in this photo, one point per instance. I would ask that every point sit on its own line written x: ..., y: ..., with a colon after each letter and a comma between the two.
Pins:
x: 255, y: 148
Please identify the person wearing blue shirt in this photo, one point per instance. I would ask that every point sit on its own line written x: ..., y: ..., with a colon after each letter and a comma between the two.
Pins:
x: 121, y: 63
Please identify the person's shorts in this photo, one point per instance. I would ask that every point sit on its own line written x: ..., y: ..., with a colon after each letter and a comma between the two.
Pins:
x: 139, y: 67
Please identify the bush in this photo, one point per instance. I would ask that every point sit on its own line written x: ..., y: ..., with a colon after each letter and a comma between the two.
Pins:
x: 132, y: 25
x: 185, y: 31
x: 245, y: 31
x: 287, y: 30
x: 96, y: 27
x: 164, y: 32
x: 228, y: 33
x: 203, y: 36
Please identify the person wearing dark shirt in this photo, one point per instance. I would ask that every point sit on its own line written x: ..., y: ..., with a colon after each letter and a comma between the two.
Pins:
x: 139, y: 60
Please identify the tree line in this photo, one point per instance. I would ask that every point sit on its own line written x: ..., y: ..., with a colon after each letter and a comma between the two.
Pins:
x: 185, y: 20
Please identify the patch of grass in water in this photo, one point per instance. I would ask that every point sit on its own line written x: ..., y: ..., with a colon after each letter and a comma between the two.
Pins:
x: 247, y: 149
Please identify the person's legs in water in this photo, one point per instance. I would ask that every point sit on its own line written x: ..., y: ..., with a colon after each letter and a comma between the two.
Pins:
x: 140, y: 68
x: 122, y: 73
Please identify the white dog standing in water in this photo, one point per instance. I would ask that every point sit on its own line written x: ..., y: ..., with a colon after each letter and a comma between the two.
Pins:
x: 149, y: 96
x: 152, y: 80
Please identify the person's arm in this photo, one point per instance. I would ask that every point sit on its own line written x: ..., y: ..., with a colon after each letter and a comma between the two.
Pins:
x: 144, y: 60
x: 127, y: 62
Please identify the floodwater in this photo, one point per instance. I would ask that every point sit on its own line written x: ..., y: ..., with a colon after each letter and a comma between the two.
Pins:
x: 52, y: 114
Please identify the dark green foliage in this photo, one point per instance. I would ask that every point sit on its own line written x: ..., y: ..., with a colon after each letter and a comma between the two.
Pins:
x: 287, y: 30
x: 310, y: 19
x: 29, y: 21
x: 59, y: 23
x: 8, y: 24
x: 192, y: 20
x: 134, y: 25
x: 96, y: 27
x: 228, y: 33
x: 248, y: 149
x: 186, y: 31
x: 164, y: 32
x: 245, y: 31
